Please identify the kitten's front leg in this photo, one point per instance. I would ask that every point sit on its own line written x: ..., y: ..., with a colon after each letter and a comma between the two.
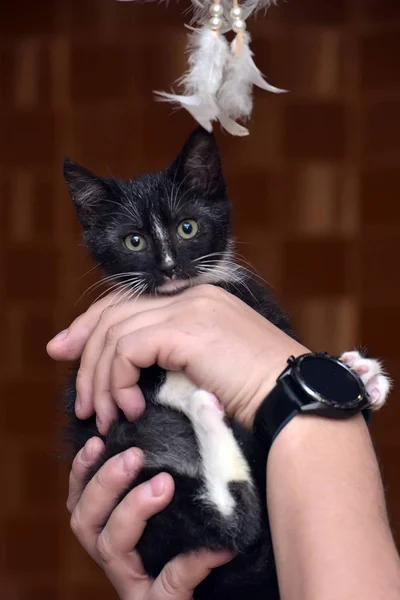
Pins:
x: 370, y: 371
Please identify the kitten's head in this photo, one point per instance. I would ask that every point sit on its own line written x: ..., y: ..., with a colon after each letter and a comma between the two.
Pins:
x: 163, y: 231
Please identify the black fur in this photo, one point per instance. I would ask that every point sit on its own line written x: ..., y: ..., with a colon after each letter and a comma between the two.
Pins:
x: 109, y: 210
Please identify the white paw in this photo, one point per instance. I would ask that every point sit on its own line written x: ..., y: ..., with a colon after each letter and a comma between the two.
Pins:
x: 372, y: 375
x: 205, y: 408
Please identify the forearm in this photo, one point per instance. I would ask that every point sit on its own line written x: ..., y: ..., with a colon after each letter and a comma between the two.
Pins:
x: 328, y: 516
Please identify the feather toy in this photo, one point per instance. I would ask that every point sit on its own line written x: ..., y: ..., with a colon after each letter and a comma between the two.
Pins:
x: 218, y: 85
x: 208, y: 54
x: 235, y: 96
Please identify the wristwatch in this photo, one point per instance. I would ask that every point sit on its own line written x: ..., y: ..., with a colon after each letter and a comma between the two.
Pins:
x: 314, y: 384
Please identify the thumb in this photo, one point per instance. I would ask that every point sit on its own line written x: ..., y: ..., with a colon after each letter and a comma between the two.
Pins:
x: 184, y: 573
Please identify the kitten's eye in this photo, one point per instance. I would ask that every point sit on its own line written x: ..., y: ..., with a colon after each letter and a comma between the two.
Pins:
x: 135, y: 242
x: 187, y: 229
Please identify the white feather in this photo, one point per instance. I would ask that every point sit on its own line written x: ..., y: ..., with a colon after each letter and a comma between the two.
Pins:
x: 235, y: 97
x: 208, y: 54
x: 231, y: 126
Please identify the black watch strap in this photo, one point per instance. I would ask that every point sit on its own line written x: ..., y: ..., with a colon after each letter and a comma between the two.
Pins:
x: 280, y: 406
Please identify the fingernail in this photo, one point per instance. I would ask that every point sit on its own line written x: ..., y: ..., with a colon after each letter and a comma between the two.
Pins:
x: 156, y: 485
x: 60, y: 336
x: 78, y: 402
x: 128, y: 460
x: 88, y: 451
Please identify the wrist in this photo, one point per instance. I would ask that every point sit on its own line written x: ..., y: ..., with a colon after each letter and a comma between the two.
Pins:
x: 304, y: 432
x: 267, y: 371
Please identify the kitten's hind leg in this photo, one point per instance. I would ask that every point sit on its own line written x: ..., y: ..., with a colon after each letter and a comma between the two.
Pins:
x: 370, y: 370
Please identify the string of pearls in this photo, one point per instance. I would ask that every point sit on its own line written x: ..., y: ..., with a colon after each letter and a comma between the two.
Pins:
x: 217, y: 14
x: 238, y: 23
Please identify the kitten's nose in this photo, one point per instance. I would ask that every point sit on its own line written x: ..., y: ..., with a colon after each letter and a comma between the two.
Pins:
x: 168, y: 266
x: 167, y: 270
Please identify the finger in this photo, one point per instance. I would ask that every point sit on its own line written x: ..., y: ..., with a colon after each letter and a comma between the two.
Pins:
x: 115, y: 320
x: 127, y: 522
x: 83, y: 462
x: 101, y: 495
x: 104, y: 404
x: 159, y: 344
x: 69, y: 344
x: 184, y: 573
x: 97, y: 369
x: 123, y: 531
x: 90, y: 356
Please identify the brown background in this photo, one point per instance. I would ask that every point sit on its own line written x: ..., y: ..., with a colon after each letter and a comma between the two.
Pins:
x: 315, y: 188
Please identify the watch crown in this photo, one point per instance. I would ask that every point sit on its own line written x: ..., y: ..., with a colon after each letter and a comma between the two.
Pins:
x: 290, y: 360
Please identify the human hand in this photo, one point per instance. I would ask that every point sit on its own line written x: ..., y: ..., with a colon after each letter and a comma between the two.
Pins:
x: 112, y: 545
x: 221, y: 344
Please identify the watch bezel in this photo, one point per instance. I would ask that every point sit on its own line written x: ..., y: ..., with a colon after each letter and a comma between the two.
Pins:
x: 295, y: 372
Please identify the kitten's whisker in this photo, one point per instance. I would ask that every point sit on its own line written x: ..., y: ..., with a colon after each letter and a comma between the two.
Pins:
x: 133, y: 210
x: 229, y: 272
x: 181, y: 206
x: 225, y: 276
x: 175, y: 203
x: 91, y: 288
x: 132, y: 292
x: 125, y: 289
x: 104, y: 281
x: 241, y: 257
x: 251, y: 269
x: 174, y: 200
x: 126, y: 210
x: 223, y: 253
x: 230, y: 255
x: 116, y: 286
x: 253, y: 273
x: 89, y: 271
x: 119, y: 285
x: 136, y: 293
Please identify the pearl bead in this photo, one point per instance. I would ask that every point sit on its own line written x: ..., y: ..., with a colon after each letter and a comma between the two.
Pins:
x: 215, y: 23
x: 236, y: 13
x: 216, y: 10
x: 239, y: 25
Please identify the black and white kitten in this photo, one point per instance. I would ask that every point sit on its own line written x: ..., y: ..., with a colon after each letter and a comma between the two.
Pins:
x: 162, y: 233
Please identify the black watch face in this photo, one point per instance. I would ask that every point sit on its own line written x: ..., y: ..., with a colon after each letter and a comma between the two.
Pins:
x: 329, y: 380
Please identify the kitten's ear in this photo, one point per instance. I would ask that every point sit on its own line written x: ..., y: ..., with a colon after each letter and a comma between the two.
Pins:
x: 199, y: 164
x: 86, y: 189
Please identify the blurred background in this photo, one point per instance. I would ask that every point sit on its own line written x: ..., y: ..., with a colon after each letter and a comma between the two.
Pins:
x: 315, y: 189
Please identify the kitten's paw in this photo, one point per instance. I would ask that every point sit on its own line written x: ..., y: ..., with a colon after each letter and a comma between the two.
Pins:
x: 372, y: 375
x: 206, y: 408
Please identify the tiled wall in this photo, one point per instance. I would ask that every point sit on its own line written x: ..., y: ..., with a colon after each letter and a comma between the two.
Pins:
x: 315, y: 188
